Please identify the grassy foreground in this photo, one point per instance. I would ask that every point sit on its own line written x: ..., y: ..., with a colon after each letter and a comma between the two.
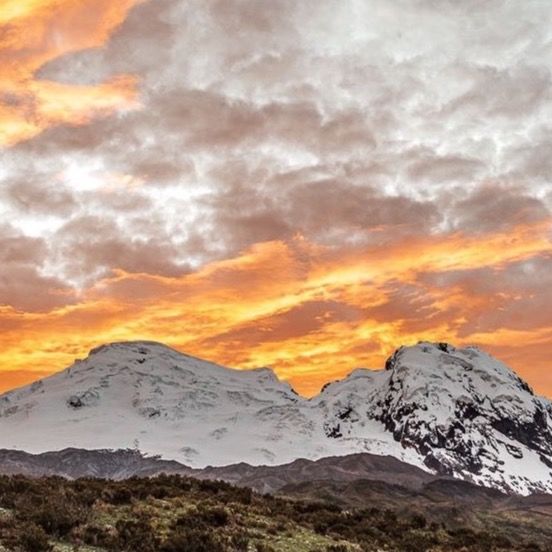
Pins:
x: 177, y: 514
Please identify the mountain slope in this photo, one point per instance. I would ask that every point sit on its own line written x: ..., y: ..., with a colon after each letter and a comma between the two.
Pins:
x: 75, y: 463
x: 349, y: 468
x: 452, y: 411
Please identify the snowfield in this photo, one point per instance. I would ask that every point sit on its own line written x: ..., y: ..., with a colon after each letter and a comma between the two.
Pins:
x: 446, y: 410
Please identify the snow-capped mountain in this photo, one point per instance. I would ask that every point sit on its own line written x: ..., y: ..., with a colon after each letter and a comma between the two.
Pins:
x: 465, y: 413
x: 451, y: 411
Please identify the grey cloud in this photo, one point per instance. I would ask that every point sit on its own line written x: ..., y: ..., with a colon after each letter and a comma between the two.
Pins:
x: 514, y: 93
x: 38, y: 195
x: 533, y: 159
x: 431, y: 167
x: 495, y: 207
x: 23, y: 285
x: 261, y: 120
x: 90, y: 247
x: 250, y: 206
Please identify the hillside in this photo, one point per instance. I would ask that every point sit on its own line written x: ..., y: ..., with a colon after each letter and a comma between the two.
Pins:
x: 175, y: 514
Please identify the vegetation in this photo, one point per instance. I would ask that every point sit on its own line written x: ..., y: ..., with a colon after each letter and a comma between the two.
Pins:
x: 177, y: 514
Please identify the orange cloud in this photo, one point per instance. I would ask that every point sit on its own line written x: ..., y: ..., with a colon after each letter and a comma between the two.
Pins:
x: 311, y: 313
x: 35, y: 32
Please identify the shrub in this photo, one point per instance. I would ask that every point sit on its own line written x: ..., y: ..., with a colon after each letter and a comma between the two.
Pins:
x: 337, y: 548
x: 32, y: 538
x: 414, y: 541
x: 264, y: 547
x: 95, y: 535
x: 239, y: 543
x: 35, y: 540
x: 119, y: 495
x: 192, y: 540
x: 203, y: 518
x: 418, y: 521
x: 136, y: 536
x: 55, y: 514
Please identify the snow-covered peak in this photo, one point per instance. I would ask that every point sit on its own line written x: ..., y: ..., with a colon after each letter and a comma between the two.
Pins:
x: 158, y: 359
x: 160, y: 363
x: 137, y: 347
x: 449, y: 410
x: 467, y: 413
x: 434, y: 360
x: 144, y: 395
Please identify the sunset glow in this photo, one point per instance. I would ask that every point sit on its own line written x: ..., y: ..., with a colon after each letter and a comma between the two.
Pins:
x: 37, y: 32
x: 311, y: 314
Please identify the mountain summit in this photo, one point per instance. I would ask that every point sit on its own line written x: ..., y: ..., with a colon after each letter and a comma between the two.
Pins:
x: 451, y: 411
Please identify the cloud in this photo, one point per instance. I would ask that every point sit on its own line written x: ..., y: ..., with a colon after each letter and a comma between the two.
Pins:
x: 38, y: 195
x: 311, y: 312
x: 89, y: 247
x: 494, y: 206
x: 34, y: 33
x: 22, y: 285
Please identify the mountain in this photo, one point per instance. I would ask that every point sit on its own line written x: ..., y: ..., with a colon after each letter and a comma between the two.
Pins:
x: 449, y: 411
x: 349, y: 468
x: 73, y: 463
x: 152, y: 398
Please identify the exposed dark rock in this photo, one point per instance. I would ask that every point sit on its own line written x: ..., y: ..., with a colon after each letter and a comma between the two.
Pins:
x: 333, y: 432
x: 445, y: 347
x: 75, y: 402
x: 344, y: 415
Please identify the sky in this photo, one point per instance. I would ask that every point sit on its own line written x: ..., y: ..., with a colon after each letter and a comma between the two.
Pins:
x: 305, y: 185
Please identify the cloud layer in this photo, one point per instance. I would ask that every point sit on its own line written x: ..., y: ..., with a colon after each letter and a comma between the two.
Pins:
x: 305, y: 184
